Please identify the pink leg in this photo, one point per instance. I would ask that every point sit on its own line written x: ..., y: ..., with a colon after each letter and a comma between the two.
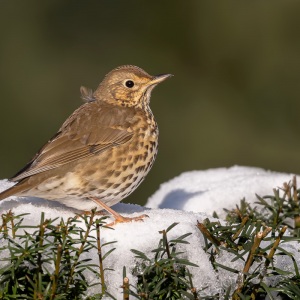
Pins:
x: 118, y: 217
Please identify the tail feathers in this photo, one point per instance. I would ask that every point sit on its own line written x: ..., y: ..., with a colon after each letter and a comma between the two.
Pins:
x: 14, y: 190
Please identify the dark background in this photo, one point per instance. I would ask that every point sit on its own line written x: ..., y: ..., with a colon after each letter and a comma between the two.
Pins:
x: 234, y: 98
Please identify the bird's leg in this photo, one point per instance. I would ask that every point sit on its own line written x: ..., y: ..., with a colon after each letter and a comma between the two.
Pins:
x: 118, y: 217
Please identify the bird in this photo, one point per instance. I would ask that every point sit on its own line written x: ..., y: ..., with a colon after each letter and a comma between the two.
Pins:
x: 102, y: 152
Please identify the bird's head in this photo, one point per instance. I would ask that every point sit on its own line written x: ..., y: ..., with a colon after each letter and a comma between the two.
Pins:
x: 128, y: 86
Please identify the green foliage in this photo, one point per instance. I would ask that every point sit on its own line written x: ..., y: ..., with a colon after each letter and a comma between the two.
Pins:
x: 246, y: 228
x: 48, y: 263
x: 289, y: 287
x: 165, y: 276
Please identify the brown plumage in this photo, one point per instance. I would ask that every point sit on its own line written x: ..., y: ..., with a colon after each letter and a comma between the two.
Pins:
x: 103, y: 151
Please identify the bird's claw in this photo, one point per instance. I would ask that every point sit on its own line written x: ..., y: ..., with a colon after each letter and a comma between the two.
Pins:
x: 122, y: 219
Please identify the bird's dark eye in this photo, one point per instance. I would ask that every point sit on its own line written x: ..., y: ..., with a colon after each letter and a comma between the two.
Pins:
x: 129, y: 83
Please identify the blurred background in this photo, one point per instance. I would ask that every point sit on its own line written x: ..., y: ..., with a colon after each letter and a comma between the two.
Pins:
x: 234, y: 99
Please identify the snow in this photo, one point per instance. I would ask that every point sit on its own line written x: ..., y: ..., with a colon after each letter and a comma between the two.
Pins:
x: 186, y: 199
x: 215, y: 189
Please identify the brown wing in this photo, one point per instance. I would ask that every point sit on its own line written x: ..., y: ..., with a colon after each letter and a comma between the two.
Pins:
x: 92, y: 128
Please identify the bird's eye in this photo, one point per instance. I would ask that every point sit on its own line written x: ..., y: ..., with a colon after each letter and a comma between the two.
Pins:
x: 129, y: 83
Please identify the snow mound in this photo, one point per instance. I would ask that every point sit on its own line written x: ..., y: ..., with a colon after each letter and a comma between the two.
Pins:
x: 186, y: 199
x: 215, y: 189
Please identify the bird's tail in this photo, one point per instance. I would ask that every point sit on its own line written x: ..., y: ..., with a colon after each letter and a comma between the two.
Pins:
x: 14, y: 190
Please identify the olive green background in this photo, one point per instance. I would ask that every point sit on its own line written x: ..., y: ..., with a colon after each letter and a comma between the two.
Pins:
x: 234, y: 98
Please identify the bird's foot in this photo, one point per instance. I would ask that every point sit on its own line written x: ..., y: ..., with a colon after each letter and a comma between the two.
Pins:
x: 121, y: 219
x: 117, y: 216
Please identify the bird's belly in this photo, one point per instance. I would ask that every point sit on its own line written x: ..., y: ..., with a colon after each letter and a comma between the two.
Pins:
x: 122, y: 176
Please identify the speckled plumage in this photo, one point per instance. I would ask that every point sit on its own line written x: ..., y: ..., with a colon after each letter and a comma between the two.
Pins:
x: 103, y: 151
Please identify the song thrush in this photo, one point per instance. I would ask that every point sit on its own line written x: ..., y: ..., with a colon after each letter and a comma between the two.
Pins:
x: 103, y: 151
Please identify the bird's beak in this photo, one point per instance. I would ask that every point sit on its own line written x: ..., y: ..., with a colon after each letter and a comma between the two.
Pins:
x: 160, y: 78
